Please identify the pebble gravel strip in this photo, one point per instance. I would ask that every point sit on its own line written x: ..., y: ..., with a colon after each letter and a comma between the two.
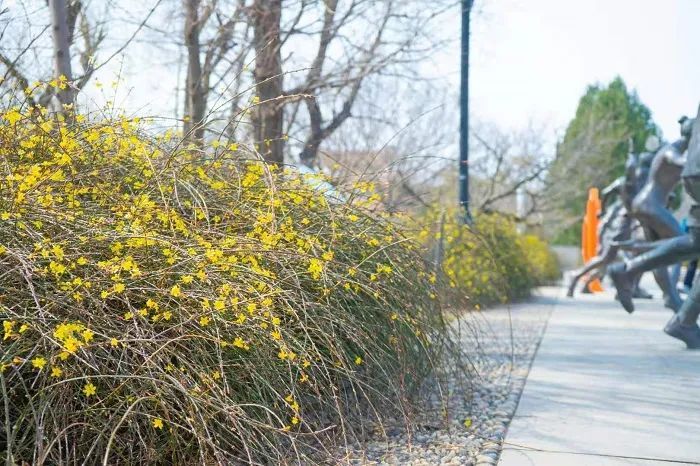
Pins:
x: 478, y: 411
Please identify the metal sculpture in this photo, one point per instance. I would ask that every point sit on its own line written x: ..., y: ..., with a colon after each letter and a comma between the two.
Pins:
x: 683, y: 325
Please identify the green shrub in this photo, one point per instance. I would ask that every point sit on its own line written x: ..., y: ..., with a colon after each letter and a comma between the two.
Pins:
x: 166, y: 305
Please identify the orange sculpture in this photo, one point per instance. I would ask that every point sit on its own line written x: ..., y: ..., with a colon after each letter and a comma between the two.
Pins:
x: 589, y: 233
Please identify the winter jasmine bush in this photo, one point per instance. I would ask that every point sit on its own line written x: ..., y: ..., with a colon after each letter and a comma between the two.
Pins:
x: 163, y: 303
x: 489, y: 262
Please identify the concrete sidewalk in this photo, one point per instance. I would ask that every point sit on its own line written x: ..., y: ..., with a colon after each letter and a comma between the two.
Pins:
x: 608, y: 388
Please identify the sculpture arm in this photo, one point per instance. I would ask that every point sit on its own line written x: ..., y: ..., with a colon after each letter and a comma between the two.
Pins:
x: 676, y: 156
x: 613, y: 189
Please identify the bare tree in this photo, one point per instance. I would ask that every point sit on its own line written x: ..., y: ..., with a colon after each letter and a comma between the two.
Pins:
x: 268, y: 115
x: 509, y: 164
x: 206, y: 54
x: 61, y: 50
x: 68, y: 21
x: 313, y: 47
x: 195, y: 95
x: 395, y: 38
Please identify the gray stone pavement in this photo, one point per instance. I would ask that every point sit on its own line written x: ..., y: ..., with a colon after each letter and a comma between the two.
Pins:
x: 607, y: 388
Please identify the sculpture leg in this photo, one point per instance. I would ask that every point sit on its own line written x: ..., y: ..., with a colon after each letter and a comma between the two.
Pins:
x: 624, y: 274
x: 598, y: 261
x: 665, y: 227
x: 597, y: 274
x: 639, y: 292
x: 690, y: 274
x: 672, y: 299
x: 683, y: 325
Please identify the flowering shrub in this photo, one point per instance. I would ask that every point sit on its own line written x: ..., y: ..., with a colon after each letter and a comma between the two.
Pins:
x: 489, y: 262
x: 162, y: 304
x: 543, y: 262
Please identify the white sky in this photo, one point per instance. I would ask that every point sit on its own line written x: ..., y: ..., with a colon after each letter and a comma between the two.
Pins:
x: 532, y: 59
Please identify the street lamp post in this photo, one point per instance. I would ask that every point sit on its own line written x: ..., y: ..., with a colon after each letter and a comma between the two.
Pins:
x: 464, y: 116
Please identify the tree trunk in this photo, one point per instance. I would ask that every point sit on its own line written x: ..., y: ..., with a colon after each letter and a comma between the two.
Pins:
x: 61, y: 47
x: 195, y: 88
x: 268, y: 115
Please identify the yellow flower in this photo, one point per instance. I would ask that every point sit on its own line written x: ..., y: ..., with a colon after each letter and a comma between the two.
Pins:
x: 88, y: 335
x: 89, y: 389
x: 13, y: 116
x: 187, y: 279
x: 39, y: 362
x: 56, y: 371
x: 175, y: 291
x: 240, y: 343
x: 315, y: 268
x: 358, y: 360
x: 204, y: 321
x: 114, y: 342
x: 157, y: 423
x: 8, y: 326
x: 119, y: 287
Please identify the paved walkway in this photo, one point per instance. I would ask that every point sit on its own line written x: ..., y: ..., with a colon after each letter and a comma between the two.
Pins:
x: 607, y: 388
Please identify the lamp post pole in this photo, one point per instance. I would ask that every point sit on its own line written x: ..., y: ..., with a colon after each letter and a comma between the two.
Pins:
x: 464, y: 116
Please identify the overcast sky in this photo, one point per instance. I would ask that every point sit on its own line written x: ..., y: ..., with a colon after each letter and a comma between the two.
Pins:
x: 532, y: 59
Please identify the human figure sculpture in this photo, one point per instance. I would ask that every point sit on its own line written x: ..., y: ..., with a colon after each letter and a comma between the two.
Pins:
x: 616, y: 225
x: 644, y: 161
x: 683, y: 325
x: 649, y: 206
